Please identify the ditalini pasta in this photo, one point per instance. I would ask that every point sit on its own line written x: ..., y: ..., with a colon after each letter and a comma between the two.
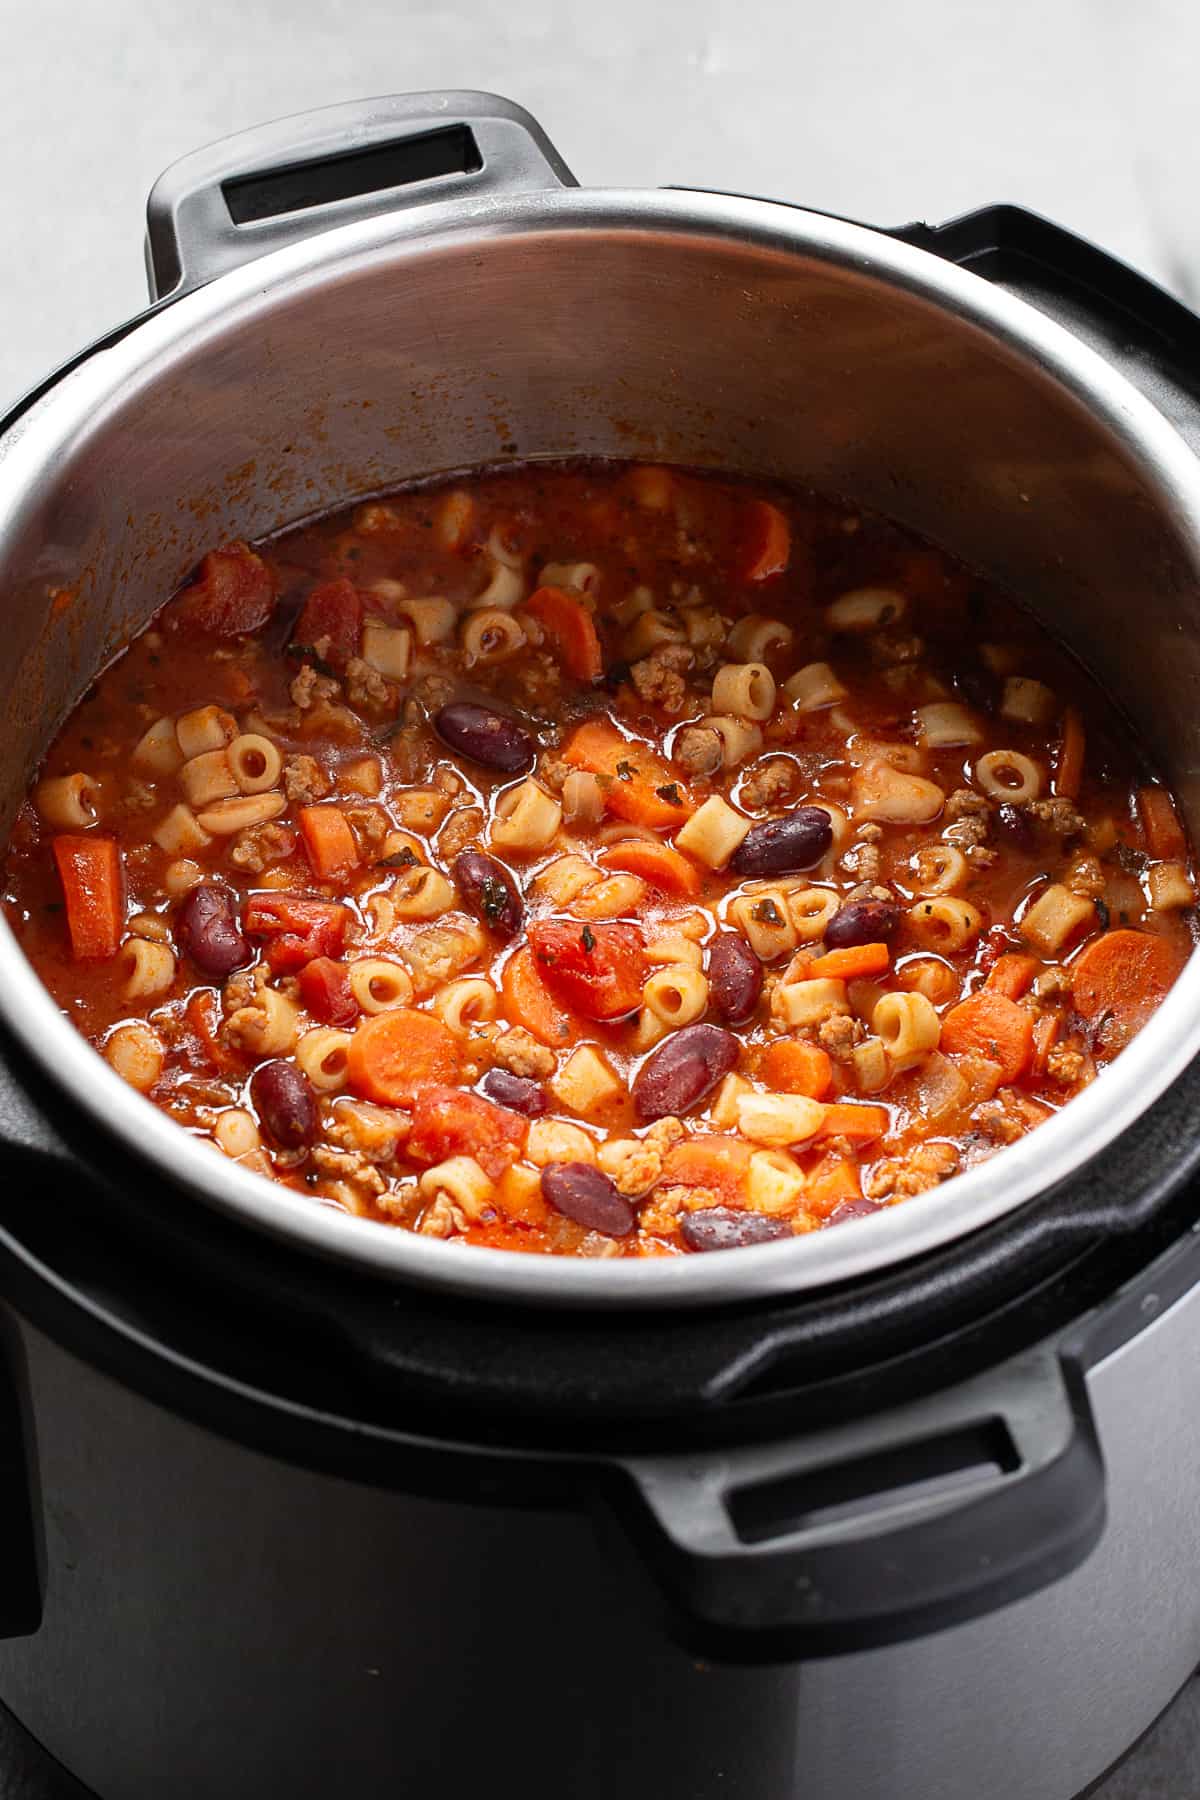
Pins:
x: 600, y: 860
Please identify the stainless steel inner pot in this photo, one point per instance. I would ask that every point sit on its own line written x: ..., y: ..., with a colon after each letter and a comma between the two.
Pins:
x: 682, y: 327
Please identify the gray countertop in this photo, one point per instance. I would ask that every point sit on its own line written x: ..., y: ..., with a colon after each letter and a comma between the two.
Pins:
x: 1082, y: 109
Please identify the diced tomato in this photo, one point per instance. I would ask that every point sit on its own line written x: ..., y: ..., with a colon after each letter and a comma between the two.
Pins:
x: 597, y: 969
x: 299, y: 929
x: 333, y: 613
x: 448, y: 1122
x: 202, y: 1019
x: 233, y: 592
x: 326, y: 993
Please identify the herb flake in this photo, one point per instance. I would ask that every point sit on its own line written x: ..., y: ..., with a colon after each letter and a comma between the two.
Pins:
x: 670, y: 793
x: 587, y: 938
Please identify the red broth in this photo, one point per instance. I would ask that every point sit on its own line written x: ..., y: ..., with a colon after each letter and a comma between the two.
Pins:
x: 602, y: 861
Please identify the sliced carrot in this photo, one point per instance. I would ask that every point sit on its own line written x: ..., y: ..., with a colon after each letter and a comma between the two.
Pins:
x: 1165, y: 838
x: 1046, y: 1031
x: 1121, y: 977
x: 767, y: 542
x: 1012, y: 976
x: 709, y: 1161
x: 845, y: 1119
x: 394, y: 1055
x: 658, y: 865
x: 571, y: 629
x: 529, y: 1002
x: 834, y: 1181
x: 637, y: 783
x: 1068, y: 773
x: 94, y: 891
x: 329, y: 841
x: 792, y: 1066
x: 991, y: 1025
x: 852, y: 964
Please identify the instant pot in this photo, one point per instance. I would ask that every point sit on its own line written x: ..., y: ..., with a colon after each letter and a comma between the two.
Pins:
x: 907, y: 1508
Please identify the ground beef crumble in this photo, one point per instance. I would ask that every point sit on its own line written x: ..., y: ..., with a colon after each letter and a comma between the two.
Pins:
x: 658, y: 678
x: 518, y: 1051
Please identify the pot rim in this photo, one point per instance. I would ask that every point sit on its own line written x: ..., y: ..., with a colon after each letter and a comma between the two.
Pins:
x: 967, y: 1202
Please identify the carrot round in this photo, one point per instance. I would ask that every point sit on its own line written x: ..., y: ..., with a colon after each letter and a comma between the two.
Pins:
x: 1012, y: 976
x: 853, y: 963
x: 529, y: 1002
x: 1068, y: 773
x: 396, y: 1054
x: 1122, y: 976
x: 658, y: 865
x: 94, y: 892
x: 991, y: 1025
x: 792, y: 1066
x: 329, y: 842
x: 571, y: 629
x: 637, y: 783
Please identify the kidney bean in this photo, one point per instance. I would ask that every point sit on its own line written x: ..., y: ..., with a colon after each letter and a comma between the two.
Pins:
x: 286, y: 1103
x: 490, y: 891
x: 784, y: 846
x: 1013, y: 824
x: 724, y: 1228
x: 735, y: 977
x: 209, y: 930
x: 681, y: 1071
x: 978, y: 687
x: 853, y: 1209
x: 517, y: 1092
x: 585, y: 1194
x: 862, y: 922
x: 485, y: 736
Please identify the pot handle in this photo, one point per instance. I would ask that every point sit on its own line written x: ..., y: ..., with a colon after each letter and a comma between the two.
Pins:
x: 276, y: 184
x: 881, y: 1530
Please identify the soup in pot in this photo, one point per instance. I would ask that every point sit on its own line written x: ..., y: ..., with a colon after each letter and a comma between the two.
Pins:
x: 600, y: 860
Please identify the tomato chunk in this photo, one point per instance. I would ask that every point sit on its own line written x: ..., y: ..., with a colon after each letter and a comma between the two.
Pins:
x: 448, y: 1122
x: 299, y: 928
x: 331, y: 623
x: 234, y: 591
x: 597, y: 969
x: 326, y: 993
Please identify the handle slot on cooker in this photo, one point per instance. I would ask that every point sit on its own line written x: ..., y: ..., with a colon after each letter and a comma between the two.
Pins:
x: 327, y: 180
x: 914, y: 1479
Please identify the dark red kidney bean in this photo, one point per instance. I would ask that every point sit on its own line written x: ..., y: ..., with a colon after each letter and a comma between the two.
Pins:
x: 285, y: 1103
x: 682, y: 1070
x: 784, y: 846
x: 585, y: 1194
x: 490, y: 891
x: 209, y: 931
x: 485, y: 736
x: 735, y: 977
x: 724, y: 1228
x: 1013, y: 824
x: 862, y: 922
x: 517, y: 1092
x: 853, y: 1209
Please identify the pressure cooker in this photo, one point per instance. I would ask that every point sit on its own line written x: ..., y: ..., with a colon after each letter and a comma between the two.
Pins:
x: 289, y: 1499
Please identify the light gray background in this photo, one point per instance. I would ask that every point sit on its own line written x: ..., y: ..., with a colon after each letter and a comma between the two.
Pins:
x: 880, y: 109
